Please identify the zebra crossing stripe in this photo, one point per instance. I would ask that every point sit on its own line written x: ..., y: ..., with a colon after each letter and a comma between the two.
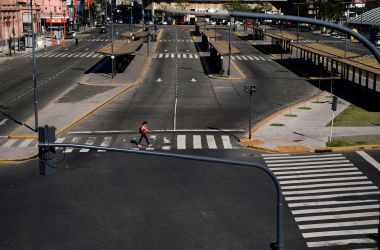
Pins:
x: 25, y: 143
x: 69, y: 55
x: 160, y: 55
x: 64, y: 55
x: 244, y: 58
x: 328, y: 203
x: 226, y: 142
x: 356, y: 183
x: 96, y: 55
x: 313, y: 167
x: 303, y: 163
x: 105, y: 143
x: 59, y: 140
x: 314, y: 171
x: 233, y: 58
x: 250, y: 58
x: 184, y: 56
x: 90, y: 141
x: 340, y: 233
x: 256, y: 58
x: 336, y: 216
x: 339, y: 224
x: 89, y: 55
x: 299, y: 156
x: 211, y: 141
x: 178, y: 55
x: 197, y: 144
x: 238, y: 57
x: 324, y: 180
x: 166, y: 55
x: 172, y: 55
x: 315, y: 197
x: 181, y: 142
x: 190, y: 56
x: 74, y: 140
x: 330, y: 190
x: 329, y: 243
x: 302, y: 160
x: 83, y: 54
x: 9, y: 143
x: 335, y: 209
x: 262, y: 58
x: 196, y: 56
x: 318, y: 175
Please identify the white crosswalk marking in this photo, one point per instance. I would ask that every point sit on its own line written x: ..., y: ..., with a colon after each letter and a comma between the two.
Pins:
x: 197, y: 144
x: 196, y: 56
x: 166, y: 55
x: 73, y: 140
x: 325, y: 195
x: 90, y: 141
x: 95, y: 55
x: 226, y: 142
x: 233, y: 58
x: 244, y: 58
x: 211, y: 142
x: 172, y: 55
x: 105, y: 143
x: 190, y: 56
x: 262, y: 58
x: 178, y: 55
x: 25, y: 143
x: 89, y: 55
x: 250, y: 58
x: 9, y: 143
x: 238, y: 57
x: 160, y: 55
x: 69, y: 55
x: 181, y: 142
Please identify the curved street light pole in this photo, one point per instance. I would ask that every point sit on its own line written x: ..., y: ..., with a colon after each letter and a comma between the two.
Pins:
x: 35, y: 101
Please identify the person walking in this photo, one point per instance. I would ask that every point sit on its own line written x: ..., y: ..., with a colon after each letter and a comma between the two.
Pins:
x: 143, y: 131
x: 76, y: 41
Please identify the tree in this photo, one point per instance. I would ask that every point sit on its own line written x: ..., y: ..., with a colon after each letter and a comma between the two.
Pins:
x: 237, y: 5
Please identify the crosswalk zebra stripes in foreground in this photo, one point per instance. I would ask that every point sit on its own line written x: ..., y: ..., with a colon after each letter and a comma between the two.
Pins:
x: 177, y: 142
x: 67, y: 54
x: 332, y: 201
x: 176, y: 55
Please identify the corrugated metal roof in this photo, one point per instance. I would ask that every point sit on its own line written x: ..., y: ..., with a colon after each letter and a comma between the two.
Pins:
x: 120, y: 47
x: 371, y: 17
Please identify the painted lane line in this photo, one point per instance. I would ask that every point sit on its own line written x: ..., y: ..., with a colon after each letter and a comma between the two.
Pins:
x: 233, y: 58
x: 313, y: 167
x: 265, y: 155
x: 335, y: 209
x: 190, y: 55
x: 339, y: 224
x: 167, y: 55
x: 178, y: 55
x: 196, y: 56
x: 211, y: 142
x: 197, y: 143
x: 330, y: 190
x: 250, y: 58
x: 172, y: 55
x: 184, y: 56
x: 9, y: 143
x: 181, y: 142
x: 25, y: 143
x: 226, y: 142
x: 324, y: 180
x: 339, y: 233
x: 3, y: 121
x: 369, y: 159
x: 105, y: 143
x: 299, y: 156
x: 175, y: 113
x: 95, y: 55
x: 336, y: 216
x: 328, y: 196
x: 90, y: 55
x: 318, y: 175
x: 244, y: 58
x: 156, y: 131
x: 73, y: 140
x: 330, y: 243
x: 296, y: 172
x: 256, y: 58
x: 262, y: 58
x: 324, y: 203
x: 160, y: 55
x: 238, y: 57
x: 60, y: 140
x: 306, y: 163
x: 90, y: 141
x: 302, y: 160
x: 168, y: 147
x: 327, y: 185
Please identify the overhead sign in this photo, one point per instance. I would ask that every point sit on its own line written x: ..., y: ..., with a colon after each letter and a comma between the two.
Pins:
x: 56, y: 20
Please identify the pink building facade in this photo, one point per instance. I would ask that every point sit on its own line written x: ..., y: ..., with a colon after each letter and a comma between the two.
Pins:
x: 54, y: 14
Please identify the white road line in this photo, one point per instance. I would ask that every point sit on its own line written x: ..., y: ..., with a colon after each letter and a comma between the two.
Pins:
x: 339, y: 224
x: 105, y: 143
x: 167, y: 55
x: 306, y: 163
x: 83, y: 54
x: 244, y: 58
x: 327, y: 185
x: 95, y: 55
x: 178, y: 55
x: 175, y: 114
x: 172, y: 55
x: 300, y: 156
x: 324, y: 203
x: 184, y: 56
x: 329, y: 243
x: 100, y: 56
x: 336, y: 216
x: 262, y: 58
x: 318, y: 175
x: 160, y: 55
x: 313, y: 171
x: 250, y: 58
x: 324, y: 180
x: 330, y: 190
x: 64, y: 55
x: 60, y: 140
x: 90, y: 141
x: 197, y: 144
x: 25, y: 143
x: 233, y: 58
x: 369, y: 159
x: 313, y: 167
x: 69, y: 55
x: 226, y: 142
x: 90, y: 55
x: 334, y: 209
x: 264, y: 155
x: 190, y: 55
x: 303, y: 160
x: 256, y: 58
x: 3, y: 121
x: 328, y: 196
x: 181, y: 142
x: 166, y: 140
x: 73, y: 140
x: 211, y: 142
x: 340, y: 233
x: 238, y: 57
x: 168, y: 147
x: 196, y: 56
x: 9, y: 143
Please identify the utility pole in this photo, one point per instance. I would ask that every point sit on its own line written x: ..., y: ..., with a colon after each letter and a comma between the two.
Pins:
x: 251, y: 90
x: 1, y: 29
x: 229, y: 50
x: 112, y: 55
x: 34, y: 68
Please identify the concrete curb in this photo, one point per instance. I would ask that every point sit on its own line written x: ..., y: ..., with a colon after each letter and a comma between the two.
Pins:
x: 242, y: 75
x: 351, y: 148
x: 16, y: 160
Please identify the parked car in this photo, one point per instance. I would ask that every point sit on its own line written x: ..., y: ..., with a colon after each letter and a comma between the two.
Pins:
x: 74, y: 33
x: 69, y: 35
x: 248, y: 22
x: 182, y: 22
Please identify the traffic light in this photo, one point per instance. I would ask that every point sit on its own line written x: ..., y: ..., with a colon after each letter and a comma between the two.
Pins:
x: 46, y: 154
x: 253, y: 89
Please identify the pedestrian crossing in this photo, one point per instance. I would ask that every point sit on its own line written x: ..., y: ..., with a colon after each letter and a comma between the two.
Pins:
x: 333, y: 203
x: 176, y: 55
x: 250, y: 58
x: 177, y: 40
x: 68, y: 55
x: 160, y: 142
x: 96, y: 40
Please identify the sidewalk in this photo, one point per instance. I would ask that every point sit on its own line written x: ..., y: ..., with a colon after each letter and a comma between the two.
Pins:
x: 67, y: 110
x: 305, y: 132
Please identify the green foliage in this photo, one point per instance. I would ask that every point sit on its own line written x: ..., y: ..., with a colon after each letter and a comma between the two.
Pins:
x: 337, y: 143
x: 237, y: 6
x: 355, y: 116
x: 277, y: 125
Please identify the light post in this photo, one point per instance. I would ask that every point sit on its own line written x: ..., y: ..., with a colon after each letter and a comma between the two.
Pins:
x: 64, y: 28
x: 34, y: 68
x: 251, y: 90
x: 8, y: 23
x: 229, y: 50
x: 112, y: 37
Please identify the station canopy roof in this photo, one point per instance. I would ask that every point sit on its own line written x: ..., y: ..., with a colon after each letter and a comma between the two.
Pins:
x: 211, y: 33
x: 120, y: 47
x: 137, y: 34
x: 222, y: 47
x: 371, y: 17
